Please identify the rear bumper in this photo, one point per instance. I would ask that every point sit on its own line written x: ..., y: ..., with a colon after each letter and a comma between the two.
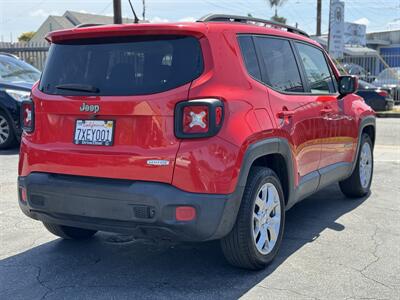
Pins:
x: 134, y: 207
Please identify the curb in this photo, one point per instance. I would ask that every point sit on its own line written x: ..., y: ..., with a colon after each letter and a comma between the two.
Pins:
x: 388, y: 114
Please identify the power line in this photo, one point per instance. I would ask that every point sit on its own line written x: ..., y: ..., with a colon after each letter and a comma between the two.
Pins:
x: 105, y: 8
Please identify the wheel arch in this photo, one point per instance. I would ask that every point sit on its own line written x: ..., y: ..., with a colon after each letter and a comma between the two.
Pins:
x: 367, y: 125
x: 370, y: 130
x: 276, y: 162
x: 4, y: 110
x: 13, y: 120
x: 275, y: 154
x: 259, y: 153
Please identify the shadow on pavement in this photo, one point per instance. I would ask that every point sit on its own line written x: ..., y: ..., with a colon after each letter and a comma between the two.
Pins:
x: 11, y: 151
x: 111, y: 266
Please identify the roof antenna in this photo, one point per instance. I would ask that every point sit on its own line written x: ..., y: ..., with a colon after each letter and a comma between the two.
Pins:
x: 134, y: 14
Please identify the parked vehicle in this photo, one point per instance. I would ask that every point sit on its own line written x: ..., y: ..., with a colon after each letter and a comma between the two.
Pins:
x: 16, y: 80
x: 190, y: 131
x: 389, y: 79
x: 357, y: 70
x: 377, y: 98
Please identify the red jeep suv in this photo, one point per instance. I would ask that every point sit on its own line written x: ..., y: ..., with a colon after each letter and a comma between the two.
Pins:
x: 190, y: 132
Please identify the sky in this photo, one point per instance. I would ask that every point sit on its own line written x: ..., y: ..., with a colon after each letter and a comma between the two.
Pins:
x: 17, y: 16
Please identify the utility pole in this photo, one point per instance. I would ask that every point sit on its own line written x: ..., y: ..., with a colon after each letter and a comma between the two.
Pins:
x: 144, y: 10
x: 117, y: 12
x: 319, y: 12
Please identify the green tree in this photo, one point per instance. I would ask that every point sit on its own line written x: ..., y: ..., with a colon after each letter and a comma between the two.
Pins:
x: 275, y: 4
x: 279, y: 19
x: 26, y: 36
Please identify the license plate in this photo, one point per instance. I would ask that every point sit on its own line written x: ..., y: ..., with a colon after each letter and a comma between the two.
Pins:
x: 94, y: 132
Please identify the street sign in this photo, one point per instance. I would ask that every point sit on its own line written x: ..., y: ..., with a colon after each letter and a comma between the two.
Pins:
x: 355, y: 34
x: 336, y: 29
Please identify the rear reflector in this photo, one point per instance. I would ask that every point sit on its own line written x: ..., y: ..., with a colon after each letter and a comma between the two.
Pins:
x: 24, y: 195
x: 185, y: 213
x: 218, y: 115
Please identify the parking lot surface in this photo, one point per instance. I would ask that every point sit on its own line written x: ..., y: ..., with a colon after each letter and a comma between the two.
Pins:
x: 333, y: 248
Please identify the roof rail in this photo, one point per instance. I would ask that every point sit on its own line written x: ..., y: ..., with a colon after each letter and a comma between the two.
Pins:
x: 250, y: 20
x: 87, y: 25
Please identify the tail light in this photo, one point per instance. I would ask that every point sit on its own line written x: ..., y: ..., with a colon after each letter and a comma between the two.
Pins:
x: 383, y: 93
x: 198, y: 118
x: 27, y: 116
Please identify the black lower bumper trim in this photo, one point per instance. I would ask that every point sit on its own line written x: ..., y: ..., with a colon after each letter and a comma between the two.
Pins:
x: 142, y: 208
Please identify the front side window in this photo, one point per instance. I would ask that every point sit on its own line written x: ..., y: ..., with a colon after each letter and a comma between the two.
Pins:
x: 316, y: 68
x: 281, y: 71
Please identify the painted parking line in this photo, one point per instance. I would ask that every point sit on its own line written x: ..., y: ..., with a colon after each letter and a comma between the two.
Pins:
x: 388, y: 160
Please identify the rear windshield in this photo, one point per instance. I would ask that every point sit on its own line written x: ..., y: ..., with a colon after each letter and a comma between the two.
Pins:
x: 121, y: 66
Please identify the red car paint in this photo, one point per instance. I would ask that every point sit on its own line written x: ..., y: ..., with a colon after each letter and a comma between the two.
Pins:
x: 321, y: 130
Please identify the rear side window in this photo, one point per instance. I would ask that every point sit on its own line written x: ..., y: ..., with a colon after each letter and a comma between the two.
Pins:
x: 249, y: 56
x: 281, y: 71
x: 316, y: 68
x: 122, y: 66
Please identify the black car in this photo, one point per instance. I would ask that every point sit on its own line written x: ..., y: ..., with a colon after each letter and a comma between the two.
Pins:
x: 16, y: 80
x: 375, y: 97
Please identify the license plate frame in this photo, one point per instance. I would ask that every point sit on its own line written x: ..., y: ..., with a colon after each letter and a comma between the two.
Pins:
x: 90, y: 123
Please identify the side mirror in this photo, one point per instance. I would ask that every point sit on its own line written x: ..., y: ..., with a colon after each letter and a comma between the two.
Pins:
x: 348, y: 85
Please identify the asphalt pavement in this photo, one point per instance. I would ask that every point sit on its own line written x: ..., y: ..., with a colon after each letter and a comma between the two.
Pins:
x: 333, y: 248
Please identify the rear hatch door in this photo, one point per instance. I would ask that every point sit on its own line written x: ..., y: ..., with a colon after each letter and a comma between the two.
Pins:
x: 121, y: 89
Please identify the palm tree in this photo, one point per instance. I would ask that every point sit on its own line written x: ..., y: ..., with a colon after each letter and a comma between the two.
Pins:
x: 276, y: 4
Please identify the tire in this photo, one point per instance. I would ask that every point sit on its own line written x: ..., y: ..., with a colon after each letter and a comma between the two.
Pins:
x: 358, y: 184
x: 7, y: 135
x: 239, y: 246
x: 69, y: 233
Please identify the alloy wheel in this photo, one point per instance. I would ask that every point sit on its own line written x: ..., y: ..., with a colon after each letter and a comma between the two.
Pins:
x: 266, y: 218
x: 4, y: 129
x: 365, y: 165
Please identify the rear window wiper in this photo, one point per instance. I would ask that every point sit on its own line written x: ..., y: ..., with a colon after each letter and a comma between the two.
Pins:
x: 78, y: 87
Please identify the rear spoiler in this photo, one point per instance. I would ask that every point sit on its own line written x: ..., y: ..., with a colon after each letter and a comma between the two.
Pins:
x: 90, y: 31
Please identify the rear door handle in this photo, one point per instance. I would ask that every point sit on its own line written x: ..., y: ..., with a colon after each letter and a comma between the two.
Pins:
x: 285, y: 114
